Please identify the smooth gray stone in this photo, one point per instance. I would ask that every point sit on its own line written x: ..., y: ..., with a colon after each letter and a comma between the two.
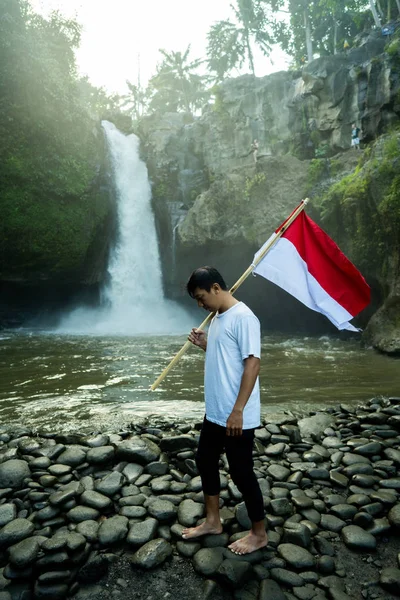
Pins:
x: 270, y: 590
x: 141, y: 533
x: 8, y: 512
x: 344, y: 511
x: 262, y: 434
x: 358, y: 468
x: 318, y: 473
x: 296, y: 557
x: 12, y: 473
x: 137, y: 500
x: 82, y: 513
x: 296, y: 533
x: 189, y: 512
x: 358, y: 499
x: 138, y: 450
x: 310, y: 514
x: 48, y: 512
x: 88, y: 529
x: 394, y: 516
x: 72, y: 456
x: 313, y: 427
x: 95, y: 441
x: 95, y: 500
x: 365, y: 481
x: 393, y: 455
x: 390, y: 580
x: 157, y: 468
x: 302, y: 502
x: 356, y: 538
x: 275, y: 449
x: 392, y: 483
x: 15, y: 532
x: 207, y: 560
x: 310, y: 456
x: 110, y: 484
x: 40, y: 463
x: 332, y: 442
x: 217, y: 540
x: 133, y: 471
x: 278, y: 473
x: 195, y: 484
x: 24, y: 553
x: 133, y: 512
x: 281, y: 507
x: 55, y: 591
x: 369, y: 449
x: 234, y: 573
x: 100, y: 455
x: 351, y: 459
x: 113, y: 530
x: 385, y: 497
x: 333, y: 499
x: 286, y: 577
x: 323, y: 546
x: 162, y: 510
x: 332, y: 523
x: 242, y: 516
x: 59, y: 470
x: 54, y: 576
x: 160, y: 485
x: 363, y: 519
x: 379, y: 526
x: 65, y: 494
x: 178, y: 443
x: 187, y: 549
x: 94, y: 569
x: 326, y: 565
x: 338, y: 478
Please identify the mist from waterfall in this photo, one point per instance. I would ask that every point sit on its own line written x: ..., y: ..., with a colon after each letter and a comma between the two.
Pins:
x: 132, y: 302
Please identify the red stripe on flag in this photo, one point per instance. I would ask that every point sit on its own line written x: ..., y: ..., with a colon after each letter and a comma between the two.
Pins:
x: 327, y: 263
x: 286, y: 220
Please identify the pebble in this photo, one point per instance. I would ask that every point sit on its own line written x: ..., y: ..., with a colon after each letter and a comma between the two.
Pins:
x: 337, y: 481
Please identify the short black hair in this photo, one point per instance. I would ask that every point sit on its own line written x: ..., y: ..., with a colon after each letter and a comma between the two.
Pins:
x: 204, y: 278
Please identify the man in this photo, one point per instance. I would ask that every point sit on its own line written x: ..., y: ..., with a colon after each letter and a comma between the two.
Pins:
x: 355, y: 137
x: 232, y: 397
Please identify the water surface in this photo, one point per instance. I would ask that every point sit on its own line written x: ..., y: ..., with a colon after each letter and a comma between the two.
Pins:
x: 64, y: 382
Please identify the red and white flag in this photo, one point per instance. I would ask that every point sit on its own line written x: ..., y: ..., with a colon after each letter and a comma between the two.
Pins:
x: 308, y: 264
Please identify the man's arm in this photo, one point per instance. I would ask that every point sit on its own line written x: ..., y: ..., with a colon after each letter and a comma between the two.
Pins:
x: 234, y: 423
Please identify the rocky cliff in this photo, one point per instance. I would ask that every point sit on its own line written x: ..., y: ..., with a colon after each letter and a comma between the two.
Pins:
x: 215, y: 204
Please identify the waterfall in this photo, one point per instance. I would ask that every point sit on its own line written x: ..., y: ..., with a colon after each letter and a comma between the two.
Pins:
x: 132, y: 302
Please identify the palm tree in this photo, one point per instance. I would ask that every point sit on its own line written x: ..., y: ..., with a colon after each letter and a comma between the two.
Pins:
x: 230, y: 44
x: 176, y: 85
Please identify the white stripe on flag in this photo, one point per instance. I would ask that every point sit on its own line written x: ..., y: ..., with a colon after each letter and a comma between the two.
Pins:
x: 284, y: 266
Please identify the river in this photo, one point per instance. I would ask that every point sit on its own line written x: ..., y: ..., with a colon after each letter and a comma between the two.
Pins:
x: 64, y: 382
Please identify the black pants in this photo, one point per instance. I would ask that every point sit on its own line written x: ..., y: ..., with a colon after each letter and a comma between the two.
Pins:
x: 239, y: 452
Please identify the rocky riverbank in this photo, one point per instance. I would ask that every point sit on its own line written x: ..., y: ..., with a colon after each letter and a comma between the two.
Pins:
x: 100, y: 516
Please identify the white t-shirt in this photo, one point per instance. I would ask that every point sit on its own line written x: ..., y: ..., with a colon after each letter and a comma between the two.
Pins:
x: 233, y: 336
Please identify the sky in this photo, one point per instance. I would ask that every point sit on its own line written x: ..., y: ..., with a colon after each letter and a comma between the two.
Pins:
x: 120, y: 35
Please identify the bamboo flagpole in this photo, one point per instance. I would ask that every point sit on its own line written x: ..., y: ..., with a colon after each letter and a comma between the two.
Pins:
x: 258, y: 258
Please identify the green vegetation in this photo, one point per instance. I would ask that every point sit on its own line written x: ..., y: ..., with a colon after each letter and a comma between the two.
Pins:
x: 362, y: 211
x: 50, y: 145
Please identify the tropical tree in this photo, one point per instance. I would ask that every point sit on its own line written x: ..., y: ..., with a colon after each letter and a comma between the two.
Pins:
x: 176, y: 85
x: 136, y: 100
x: 231, y: 42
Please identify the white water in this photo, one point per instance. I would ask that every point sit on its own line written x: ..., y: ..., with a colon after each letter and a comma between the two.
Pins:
x: 133, y: 301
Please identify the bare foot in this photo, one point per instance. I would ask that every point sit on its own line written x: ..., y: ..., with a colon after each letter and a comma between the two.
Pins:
x: 203, y: 529
x: 250, y: 543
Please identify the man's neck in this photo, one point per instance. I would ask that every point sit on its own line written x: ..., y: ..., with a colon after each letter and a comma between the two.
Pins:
x: 227, y: 301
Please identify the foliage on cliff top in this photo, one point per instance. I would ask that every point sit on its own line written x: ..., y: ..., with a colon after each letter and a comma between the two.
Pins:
x: 362, y: 211
x: 48, y: 143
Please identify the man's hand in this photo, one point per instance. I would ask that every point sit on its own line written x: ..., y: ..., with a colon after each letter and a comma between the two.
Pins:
x: 198, y: 338
x: 234, y: 423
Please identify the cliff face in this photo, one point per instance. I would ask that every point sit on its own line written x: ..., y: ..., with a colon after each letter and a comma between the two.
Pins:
x: 215, y: 205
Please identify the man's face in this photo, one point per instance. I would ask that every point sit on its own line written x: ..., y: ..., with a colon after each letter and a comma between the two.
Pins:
x: 208, y: 300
